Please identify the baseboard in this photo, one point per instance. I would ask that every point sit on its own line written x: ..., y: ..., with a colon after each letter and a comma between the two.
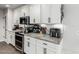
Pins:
x: 11, y: 45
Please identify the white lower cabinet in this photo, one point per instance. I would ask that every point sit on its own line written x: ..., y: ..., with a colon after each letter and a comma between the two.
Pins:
x: 29, y: 45
x: 36, y: 46
x: 8, y: 37
x: 26, y: 47
x: 32, y: 49
x: 13, y: 38
x: 43, y: 50
x: 44, y: 47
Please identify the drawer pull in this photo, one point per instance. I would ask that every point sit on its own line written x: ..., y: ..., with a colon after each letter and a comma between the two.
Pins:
x: 44, y: 43
x: 28, y: 44
x: 28, y: 38
x: 45, y: 50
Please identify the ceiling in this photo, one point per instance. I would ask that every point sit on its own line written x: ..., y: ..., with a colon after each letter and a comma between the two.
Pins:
x: 13, y: 6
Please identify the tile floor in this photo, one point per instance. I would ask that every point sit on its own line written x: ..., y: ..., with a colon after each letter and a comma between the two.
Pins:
x: 7, y: 49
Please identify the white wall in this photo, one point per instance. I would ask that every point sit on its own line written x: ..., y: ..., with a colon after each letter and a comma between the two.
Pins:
x: 2, y: 25
x: 1, y: 13
x: 71, y: 34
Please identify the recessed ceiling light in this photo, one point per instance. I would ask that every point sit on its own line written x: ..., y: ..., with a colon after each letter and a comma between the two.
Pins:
x: 7, y: 5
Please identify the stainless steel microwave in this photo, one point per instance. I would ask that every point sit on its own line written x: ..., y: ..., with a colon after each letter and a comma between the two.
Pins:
x: 25, y: 20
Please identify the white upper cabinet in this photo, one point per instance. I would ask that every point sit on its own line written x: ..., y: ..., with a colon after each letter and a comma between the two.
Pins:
x: 50, y: 13
x: 20, y: 12
x: 45, y: 13
x: 17, y: 15
x: 55, y: 13
x: 25, y: 10
x: 35, y: 13
x: 40, y: 13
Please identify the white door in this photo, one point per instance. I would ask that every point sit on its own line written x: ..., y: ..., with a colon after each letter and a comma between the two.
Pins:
x: 2, y: 28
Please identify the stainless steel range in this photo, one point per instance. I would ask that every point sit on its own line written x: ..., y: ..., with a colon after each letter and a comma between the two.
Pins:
x: 19, y: 41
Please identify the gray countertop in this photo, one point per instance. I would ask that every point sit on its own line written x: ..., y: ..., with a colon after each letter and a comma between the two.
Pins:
x: 44, y: 37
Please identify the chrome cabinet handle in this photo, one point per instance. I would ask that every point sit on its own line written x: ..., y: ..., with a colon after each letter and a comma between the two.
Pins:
x: 34, y: 20
x: 45, y: 50
x: 28, y: 44
x: 44, y: 43
x: 11, y: 36
x: 28, y: 38
x: 49, y: 19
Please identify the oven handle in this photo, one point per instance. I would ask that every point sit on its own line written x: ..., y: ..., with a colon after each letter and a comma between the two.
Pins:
x: 19, y: 35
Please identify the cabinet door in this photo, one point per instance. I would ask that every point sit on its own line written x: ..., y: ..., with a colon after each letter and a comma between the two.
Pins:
x: 51, y: 52
x: 32, y: 49
x: 35, y: 13
x: 40, y: 50
x: 29, y: 45
x: 13, y: 39
x: 25, y: 10
x: 32, y: 46
x: 50, y: 13
x: 26, y: 47
x: 55, y: 13
x: 9, y: 37
x: 45, y: 50
x: 17, y: 15
x: 45, y: 13
x: 26, y: 44
x: 41, y: 47
x: 44, y: 47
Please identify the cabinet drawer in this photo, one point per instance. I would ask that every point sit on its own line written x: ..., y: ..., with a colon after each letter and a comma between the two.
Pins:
x: 27, y: 38
x: 47, y: 44
x: 32, y: 49
x: 51, y: 52
x: 45, y: 50
x: 29, y: 48
x: 31, y: 40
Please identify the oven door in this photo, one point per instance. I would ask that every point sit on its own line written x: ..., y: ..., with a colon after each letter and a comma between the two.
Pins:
x: 19, y: 41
